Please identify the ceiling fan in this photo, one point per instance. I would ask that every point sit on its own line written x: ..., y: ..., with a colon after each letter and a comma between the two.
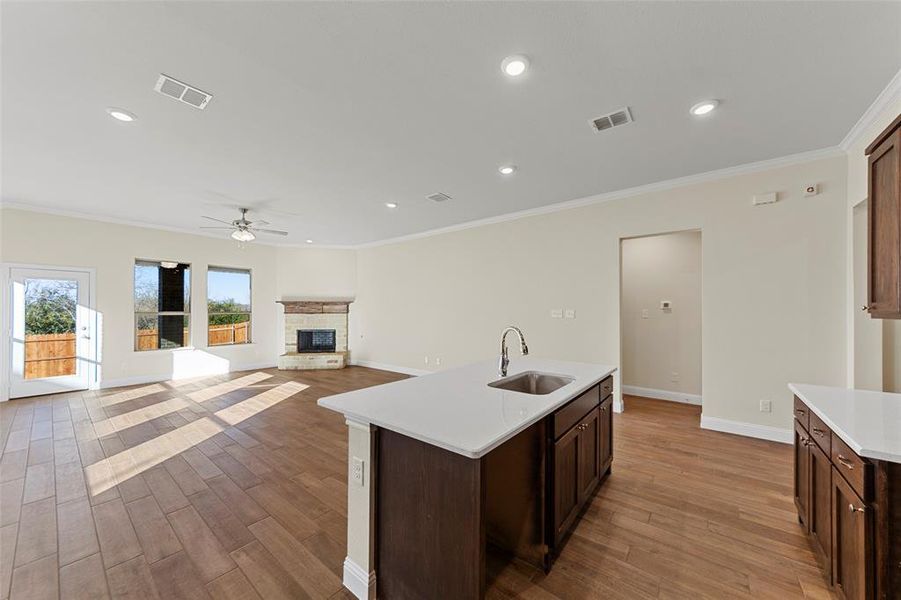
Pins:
x: 242, y: 229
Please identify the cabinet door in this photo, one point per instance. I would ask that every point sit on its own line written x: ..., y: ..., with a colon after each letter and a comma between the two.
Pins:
x: 819, y: 511
x: 589, y: 464
x: 852, y: 542
x: 566, y: 481
x: 605, y: 434
x: 884, y: 240
x: 802, y: 474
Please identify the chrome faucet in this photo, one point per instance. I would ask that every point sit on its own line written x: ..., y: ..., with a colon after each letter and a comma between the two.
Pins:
x: 504, y: 359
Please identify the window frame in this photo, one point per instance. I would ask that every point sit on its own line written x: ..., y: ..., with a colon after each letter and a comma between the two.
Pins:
x: 166, y: 313
x: 249, y: 312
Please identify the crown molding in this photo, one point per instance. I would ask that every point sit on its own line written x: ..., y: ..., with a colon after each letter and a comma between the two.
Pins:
x: 660, y: 186
x: 889, y: 94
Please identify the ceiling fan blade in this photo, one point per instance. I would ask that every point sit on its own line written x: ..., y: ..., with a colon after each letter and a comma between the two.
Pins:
x: 272, y: 231
x: 222, y: 228
x: 217, y: 220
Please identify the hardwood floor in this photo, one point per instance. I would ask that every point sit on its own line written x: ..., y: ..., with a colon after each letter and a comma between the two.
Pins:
x: 235, y: 487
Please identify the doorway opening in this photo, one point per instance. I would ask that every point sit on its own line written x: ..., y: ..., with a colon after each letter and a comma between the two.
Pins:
x: 660, y: 316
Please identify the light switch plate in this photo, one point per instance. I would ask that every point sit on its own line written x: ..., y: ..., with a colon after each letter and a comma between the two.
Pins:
x: 569, y: 314
x: 645, y: 314
x: 556, y: 313
x: 766, y: 406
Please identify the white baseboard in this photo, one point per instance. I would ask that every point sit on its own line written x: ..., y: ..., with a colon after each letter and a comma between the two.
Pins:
x: 385, y: 367
x: 763, y: 432
x: 360, y: 583
x: 145, y: 379
x: 682, y: 397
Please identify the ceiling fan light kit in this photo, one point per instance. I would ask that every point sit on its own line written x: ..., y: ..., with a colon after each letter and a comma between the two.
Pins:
x: 242, y: 229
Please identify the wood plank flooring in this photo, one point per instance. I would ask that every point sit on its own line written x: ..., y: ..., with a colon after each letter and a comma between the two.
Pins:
x: 235, y: 487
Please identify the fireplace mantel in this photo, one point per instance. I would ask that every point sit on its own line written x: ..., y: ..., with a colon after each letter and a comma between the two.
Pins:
x: 312, y: 306
x: 315, y: 313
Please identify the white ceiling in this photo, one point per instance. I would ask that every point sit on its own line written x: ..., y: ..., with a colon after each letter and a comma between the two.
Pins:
x: 329, y: 110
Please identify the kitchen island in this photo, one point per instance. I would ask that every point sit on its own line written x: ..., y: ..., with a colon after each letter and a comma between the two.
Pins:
x: 445, y: 465
x: 848, y: 486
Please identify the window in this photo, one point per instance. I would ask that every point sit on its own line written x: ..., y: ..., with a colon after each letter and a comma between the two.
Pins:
x: 228, y: 303
x: 162, y: 304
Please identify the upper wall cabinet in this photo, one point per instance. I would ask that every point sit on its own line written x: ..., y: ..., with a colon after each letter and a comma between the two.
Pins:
x: 884, y: 240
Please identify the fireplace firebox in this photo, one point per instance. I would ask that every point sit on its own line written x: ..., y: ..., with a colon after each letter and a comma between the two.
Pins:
x: 315, y: 340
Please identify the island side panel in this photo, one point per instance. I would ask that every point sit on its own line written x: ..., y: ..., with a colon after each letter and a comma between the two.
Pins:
x: 430, y: 521
x: 359, y: 565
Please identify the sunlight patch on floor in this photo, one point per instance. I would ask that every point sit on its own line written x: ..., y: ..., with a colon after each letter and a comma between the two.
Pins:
x: 127, y: 395
x: 227, y: 386
x: 141, y: 415
x: 109, y: 472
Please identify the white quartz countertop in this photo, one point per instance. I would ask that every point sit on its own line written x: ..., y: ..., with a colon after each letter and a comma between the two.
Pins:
x: 869, y: 422
x: 456, y: 410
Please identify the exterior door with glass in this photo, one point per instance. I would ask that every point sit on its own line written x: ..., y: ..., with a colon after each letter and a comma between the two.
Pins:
x: 51, y: 325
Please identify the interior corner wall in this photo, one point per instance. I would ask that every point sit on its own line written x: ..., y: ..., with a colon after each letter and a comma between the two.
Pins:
x: 661, y: 348
x: 875, y: 341
x: 774, y: 300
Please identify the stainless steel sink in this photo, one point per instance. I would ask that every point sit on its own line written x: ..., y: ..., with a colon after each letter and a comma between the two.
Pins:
x: 532, y: 382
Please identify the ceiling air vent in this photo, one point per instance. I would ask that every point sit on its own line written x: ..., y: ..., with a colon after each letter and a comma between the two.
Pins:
x: 182, y: 92
x: 438, y: 197
x: 614, y: 119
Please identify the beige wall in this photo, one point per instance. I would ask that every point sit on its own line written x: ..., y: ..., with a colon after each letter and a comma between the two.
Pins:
x: 111, y: 249
x: 315, y: 272
x: 773, y: 295
x: 876, y: 342
x: 661, y: 349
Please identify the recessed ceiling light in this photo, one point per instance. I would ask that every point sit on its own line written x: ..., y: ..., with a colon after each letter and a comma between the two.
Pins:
x: 243, y: 235
x: 507, y: 169
x: 309, y: 241
x: 121, y: 115
x: 704, y: 107
x: 391, y: 204
x: 515, y: 65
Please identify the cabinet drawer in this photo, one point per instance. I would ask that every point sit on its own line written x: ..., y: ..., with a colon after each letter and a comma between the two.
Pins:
x: 820, y: 434
x: 570, y: 414
x: 606, y: 387
x: 857, y: 471
x: 802, y: 413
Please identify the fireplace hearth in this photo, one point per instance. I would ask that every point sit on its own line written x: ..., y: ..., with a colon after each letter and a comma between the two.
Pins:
x: 315, y: 334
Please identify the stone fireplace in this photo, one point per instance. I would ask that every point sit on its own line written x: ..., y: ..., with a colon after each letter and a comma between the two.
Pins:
x: 315, y: 334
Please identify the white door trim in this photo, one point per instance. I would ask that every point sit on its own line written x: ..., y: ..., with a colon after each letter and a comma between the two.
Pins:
x: 6, y: 322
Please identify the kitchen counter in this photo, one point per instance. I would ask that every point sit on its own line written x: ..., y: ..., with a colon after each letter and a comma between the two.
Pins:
x: 868, y: 422
x: 457, y: 411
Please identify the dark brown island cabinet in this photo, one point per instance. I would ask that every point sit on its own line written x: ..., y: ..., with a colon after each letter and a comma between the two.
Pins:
x: 850, y: 507
x: 884, y: 228
x: 520, y: 500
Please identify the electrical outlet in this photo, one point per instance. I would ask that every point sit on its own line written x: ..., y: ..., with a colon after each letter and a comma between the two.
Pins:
x: 438, y: 362
x: 426, y: 360
x: 645, y: 314
x: 356, y: 470
x: 674, y: 377
x: 766, y: 406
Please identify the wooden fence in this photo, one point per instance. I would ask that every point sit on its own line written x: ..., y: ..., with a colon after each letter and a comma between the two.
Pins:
x: 49, y: 355
x: 52, y: 355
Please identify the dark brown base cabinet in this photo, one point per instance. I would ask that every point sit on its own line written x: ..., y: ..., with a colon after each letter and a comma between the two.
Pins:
x: 850, y: 508
x: 437, y: 512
